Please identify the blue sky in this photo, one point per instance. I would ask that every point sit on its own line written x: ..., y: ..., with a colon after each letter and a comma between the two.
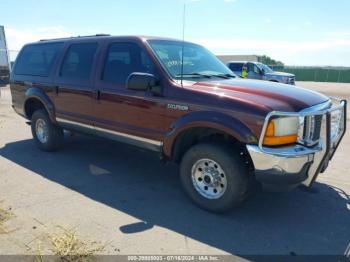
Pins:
x: 298, y: 32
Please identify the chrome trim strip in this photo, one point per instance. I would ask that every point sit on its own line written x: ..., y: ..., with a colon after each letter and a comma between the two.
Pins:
x: 318, y: 107
x: 116, y: 133
x: 137, y: 138
x: 66, y: 121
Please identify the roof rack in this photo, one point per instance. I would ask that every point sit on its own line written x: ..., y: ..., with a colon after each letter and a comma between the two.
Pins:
x: 75, y: 37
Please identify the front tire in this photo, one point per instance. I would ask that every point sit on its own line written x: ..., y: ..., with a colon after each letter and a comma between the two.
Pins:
x: 47, y: 136
x: 214, y: 176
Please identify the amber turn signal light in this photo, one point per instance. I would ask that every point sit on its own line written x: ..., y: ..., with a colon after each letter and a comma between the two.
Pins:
x: 272, y: 139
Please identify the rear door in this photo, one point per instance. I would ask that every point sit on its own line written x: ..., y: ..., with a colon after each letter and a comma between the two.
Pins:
x: 74, y: 84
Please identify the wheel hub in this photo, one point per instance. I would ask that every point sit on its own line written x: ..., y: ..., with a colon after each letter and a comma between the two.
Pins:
x: 41, y: 131
x: 209, y: 178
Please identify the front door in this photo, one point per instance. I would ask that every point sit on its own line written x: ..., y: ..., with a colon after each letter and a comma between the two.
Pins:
x: 253, y: 71
x: 136, y: 116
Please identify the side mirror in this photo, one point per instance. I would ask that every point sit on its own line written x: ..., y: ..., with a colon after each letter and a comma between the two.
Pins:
x: 143, y: 82
x: 262, y: 72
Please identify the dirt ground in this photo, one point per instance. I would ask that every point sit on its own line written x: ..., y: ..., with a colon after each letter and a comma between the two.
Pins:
x: 124, y: 200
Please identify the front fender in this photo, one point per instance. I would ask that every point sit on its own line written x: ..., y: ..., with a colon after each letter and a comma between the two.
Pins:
x: 207, y: 119
x: 39, y: 94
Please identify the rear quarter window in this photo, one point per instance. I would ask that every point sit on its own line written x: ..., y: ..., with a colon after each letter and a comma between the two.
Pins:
x: 37, y: 60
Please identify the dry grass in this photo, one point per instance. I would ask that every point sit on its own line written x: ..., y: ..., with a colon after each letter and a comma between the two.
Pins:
x: 5, y: 215
x: 69, y: 247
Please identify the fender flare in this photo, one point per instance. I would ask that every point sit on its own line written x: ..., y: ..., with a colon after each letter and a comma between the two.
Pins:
x: 39, y: 94
x: 207, y: 119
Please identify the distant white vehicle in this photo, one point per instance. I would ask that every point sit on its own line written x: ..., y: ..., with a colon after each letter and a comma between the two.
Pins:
x: 4, y: 59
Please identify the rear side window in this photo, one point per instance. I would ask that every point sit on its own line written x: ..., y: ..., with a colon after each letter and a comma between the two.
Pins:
x: 78, y: 61
x: 236, y: 67
x: 122, y: 60
x: 37, y: 60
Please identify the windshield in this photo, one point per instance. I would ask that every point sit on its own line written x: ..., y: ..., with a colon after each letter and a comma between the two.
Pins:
x: 198, y: 62
x: 265, y: 68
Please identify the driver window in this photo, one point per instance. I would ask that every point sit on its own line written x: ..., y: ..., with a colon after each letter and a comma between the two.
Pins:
x: 123, y: 59
x: 256, y: 70
x: 252, y: 68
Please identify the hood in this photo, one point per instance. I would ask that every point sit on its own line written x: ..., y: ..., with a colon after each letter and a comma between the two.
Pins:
x: 267, y: 96
x: 280, y: 74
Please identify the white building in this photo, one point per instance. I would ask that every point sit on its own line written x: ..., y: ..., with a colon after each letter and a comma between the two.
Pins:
x: 228, y: 58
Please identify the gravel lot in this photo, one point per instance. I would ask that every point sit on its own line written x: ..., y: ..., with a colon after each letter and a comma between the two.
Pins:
x: 125, y: 199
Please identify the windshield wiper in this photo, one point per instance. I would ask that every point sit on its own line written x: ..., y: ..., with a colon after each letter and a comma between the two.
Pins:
x: 194, y: 74
x: 225, y: 76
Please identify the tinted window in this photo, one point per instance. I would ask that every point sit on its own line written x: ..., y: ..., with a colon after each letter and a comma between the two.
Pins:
x: 123, y: 59
x: 78, y: 61
x: 37, y: 60
x: 253, y: 68
x: 236, y: 67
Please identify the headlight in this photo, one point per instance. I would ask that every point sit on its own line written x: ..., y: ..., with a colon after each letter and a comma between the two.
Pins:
x: 282, y: 131
x: 285, y: 79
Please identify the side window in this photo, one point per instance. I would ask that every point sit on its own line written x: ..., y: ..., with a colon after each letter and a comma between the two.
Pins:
x: 250, y: 67
x: 122, y: 59
x: 37, y: 60
x: 77, y: 63
x: 236, y: 67
x: 253, y: 69
x: 256, y: 70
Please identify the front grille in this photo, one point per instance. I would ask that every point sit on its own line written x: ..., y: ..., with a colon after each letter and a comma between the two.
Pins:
x: 292, y: 81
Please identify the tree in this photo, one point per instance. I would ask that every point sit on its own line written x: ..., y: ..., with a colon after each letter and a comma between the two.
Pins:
x: 269, y: 61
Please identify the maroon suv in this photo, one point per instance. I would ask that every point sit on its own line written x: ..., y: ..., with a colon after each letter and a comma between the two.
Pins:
x: 178, y: 99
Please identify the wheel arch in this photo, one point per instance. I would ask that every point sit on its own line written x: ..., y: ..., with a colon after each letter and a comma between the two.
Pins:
x: 205, y: 126
x: 35, y: 99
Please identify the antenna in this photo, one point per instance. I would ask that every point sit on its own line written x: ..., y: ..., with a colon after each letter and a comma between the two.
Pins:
x: 183, y: 43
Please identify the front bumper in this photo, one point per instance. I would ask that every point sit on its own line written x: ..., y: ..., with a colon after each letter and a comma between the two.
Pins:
x: 285, y: 168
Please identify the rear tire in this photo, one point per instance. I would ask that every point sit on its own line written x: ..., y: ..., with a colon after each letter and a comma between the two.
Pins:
x: 214, y: 176
x: 47, y: 136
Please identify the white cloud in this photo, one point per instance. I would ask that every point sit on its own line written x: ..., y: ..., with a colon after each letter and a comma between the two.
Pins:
x: 307, y: 24
x: 288, y: 46
x: 16, y: 38
x: 267, y: 20
x: 226, y: 1
x: 322, y: 51
x: 338, y: 34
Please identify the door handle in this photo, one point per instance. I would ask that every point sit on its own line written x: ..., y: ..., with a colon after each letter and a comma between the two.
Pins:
x: 98, y: 94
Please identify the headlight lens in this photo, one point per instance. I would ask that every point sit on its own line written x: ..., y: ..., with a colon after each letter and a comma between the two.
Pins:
x: 282, y: 131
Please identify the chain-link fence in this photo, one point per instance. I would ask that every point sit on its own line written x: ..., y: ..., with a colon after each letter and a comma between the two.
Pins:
x: 317, y: 74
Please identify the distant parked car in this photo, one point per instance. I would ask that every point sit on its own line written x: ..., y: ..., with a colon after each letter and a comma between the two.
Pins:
x: 4, y: 75
x: 261, y: 71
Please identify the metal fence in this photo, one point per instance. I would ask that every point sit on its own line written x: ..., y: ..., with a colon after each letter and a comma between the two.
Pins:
x: 317, y: 74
